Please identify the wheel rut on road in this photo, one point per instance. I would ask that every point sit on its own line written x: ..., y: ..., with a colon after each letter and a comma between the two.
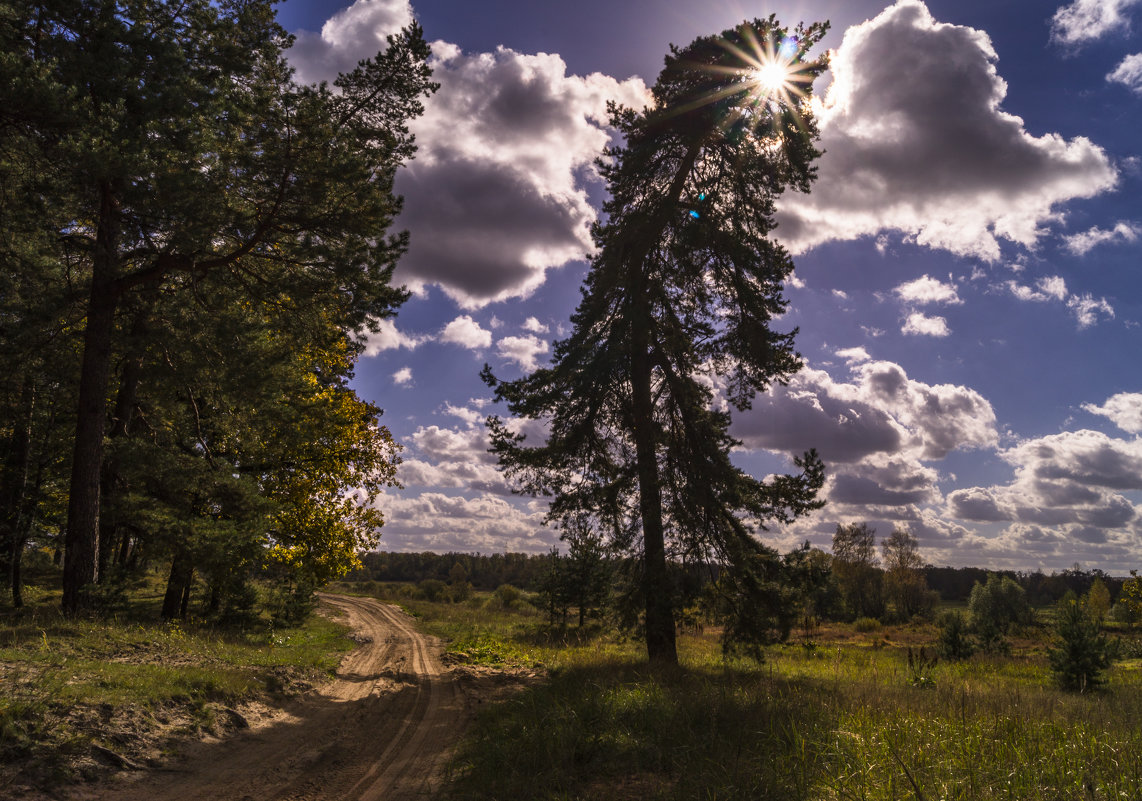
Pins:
x: 383, y: 729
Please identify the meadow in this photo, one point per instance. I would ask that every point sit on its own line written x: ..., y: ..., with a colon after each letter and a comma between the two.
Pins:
x: 840, y: 716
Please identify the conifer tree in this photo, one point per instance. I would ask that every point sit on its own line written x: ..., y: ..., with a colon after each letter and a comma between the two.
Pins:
x: 681, y: 294
x: 177, y: 147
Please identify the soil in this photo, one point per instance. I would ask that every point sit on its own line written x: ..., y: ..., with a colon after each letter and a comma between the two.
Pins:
x: 385, y: 728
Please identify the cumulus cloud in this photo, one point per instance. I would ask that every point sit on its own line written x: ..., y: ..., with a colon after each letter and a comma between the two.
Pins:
x: 880, y: 411
x: 1071, y: 482
x: 403, y: 377
x: 454, y: 458
x: 1086, y: 309
x: 353, y: 33
x: 925, y: 290
x: 534, y: 326
x: 441, y: 522
x: 467, y: 333
x: 920, y: 324
x: 388, y: 337
x: 1082, y: 242
x: 1123, y: 409
x: 932, y: 155
x: 1128, y: 73
x: 524, y: 351
x: 978, y: 504
x: 1086, y: 20
x: 853, y: 355
x: 496, y: 194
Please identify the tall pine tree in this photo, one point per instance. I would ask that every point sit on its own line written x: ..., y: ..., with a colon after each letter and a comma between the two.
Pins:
x: 680, y: 296
x: 180, y: 149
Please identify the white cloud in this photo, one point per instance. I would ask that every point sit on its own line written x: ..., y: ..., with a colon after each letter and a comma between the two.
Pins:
x: 440, y: 522
x: 880, y: 411
x: 1087, y: 310
x: 916, y: 142
x: 921, y: 324
x: 1086, y: 20
x: 467, y: 333
x: 1123, y: 409
x: 853, y: 355
x: 403, y: 377
x: 1128, y: 73
x: 469, y: 416
x: 388, y: 337
x: 534, y: 326
x: 927, y: 290
x: 495, y: 196
x: 524, y: 351
x: 1082, y: 242
x: 351, y: 34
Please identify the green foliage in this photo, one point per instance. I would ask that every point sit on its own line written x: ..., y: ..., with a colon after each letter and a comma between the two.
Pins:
x: 1097, y: 601
x: 685, y: 279
x: 866, y: 625
x: 904, y: 583
x: 193, y: 243
x: 921, y: 665
x: 1130, y: 600
x: 856, y: 570
x: 954, y: 642
x: 1082, y: 653
x: 432, y: 589
x: 995, y: 607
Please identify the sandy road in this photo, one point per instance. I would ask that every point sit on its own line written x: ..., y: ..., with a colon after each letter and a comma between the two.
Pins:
x: 381, y: 730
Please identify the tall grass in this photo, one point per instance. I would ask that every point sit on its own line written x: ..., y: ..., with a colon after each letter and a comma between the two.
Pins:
x: 841, y: 722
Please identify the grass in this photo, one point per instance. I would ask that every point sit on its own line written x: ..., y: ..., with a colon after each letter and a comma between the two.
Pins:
x: 70, y: 683
x: 838, y: 722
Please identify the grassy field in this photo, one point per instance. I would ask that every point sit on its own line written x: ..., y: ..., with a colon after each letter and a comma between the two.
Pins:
x: 846, y: 719
x: 128, y: 684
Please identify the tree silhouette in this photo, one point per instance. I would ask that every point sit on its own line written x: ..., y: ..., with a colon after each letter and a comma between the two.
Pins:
x: 679, y: 299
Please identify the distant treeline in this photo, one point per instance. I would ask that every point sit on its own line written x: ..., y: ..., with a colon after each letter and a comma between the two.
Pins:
x: 527, y: 571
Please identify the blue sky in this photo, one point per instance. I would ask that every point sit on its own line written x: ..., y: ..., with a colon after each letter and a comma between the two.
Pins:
x: 969, y: 263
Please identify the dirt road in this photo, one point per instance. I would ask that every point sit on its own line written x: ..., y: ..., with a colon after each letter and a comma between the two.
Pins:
x: 381, y: 730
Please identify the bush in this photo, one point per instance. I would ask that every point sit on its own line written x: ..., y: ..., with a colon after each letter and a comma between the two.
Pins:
x: 866, y: 624
x: 954, y: 642
x: 1083, y: 653
x: 432, y: 589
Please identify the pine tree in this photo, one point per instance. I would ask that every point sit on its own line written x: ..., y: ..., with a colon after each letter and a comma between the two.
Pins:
x: 179, y: 148
x: 684, y: 287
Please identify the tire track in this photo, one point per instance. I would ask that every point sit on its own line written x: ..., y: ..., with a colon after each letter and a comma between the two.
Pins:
x: 382, y: 729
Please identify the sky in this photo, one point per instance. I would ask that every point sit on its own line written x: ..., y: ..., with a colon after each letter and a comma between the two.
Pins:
x: 968, y: 284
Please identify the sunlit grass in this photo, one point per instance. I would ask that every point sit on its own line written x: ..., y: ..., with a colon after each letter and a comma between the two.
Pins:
x: 837, y: 721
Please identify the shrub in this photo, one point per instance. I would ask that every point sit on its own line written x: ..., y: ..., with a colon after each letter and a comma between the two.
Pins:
x: 1083, y: 653
x: 866, y: 624
x: 954, y: 642
x: 432, y: 589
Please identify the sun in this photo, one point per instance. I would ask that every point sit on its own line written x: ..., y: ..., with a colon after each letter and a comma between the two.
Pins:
x: 773, y: 77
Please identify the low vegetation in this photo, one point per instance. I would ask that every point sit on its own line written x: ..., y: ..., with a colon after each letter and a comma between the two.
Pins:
x: 845, y: 715
x: 82, y: 695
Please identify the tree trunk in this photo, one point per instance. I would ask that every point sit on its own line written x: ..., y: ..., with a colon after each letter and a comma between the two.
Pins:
x: 14, y: 496
x: 81, y: 540
x: 178, y: 583
x: 660, y: 643
x: 110, y: 529
x: 661, y: 646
